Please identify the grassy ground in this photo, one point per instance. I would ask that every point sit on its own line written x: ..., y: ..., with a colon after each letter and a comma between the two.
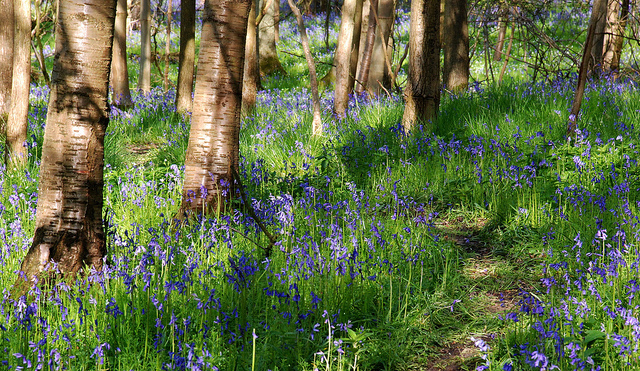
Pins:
x: 492, y: 242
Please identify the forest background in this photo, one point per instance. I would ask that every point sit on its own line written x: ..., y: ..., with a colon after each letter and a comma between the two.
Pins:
x: 489, y: 226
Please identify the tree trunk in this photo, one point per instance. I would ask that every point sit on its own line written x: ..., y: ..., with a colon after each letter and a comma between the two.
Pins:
x: 316, y: 125
x: 355, y: 48
x: 617, y: 16
x: 68, y: 229
x: 587, y: 57
x: 15, y: 150
x: 213, y: 151
x: 367, y: 53
x: 251, y: 82
x: 599, y: 17
x: 167, y: 45
x: 276, y: 21
x: 422, y: 94
x: 6, y: 59
x: 508, y: 55
x: 119, y: 69
x: 378, y: 73
x: 327, y: 18
x: 269, y: 62
x: 503, y: 22
x: 144, y: 78
x: 342, y: 56
x: 456, y: 45
x: 187, y: 55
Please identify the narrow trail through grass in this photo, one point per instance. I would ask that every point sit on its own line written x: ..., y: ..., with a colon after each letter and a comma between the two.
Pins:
x: 494, y: 282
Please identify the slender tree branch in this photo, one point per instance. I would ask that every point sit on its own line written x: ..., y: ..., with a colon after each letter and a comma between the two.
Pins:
x: 252, y: 213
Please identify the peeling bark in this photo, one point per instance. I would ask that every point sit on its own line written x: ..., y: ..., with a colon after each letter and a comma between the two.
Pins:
x: 214, y: 149
x: 69, y: 230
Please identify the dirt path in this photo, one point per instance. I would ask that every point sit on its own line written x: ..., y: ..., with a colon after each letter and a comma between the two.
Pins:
x: 495, y: 285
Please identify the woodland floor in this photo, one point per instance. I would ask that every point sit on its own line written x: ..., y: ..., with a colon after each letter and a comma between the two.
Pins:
x: 497, y: 293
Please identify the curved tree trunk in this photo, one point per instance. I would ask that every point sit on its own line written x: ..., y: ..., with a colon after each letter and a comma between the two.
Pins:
x: 269, y: 62
x: 599, y: 19
x: 378, y: 73
x: 503, y: 23
x: 119, y: 69
x: 342, y: 58
x: 187, y: 55
x: 316, y: 125
x: 422, y: 94
x: 144, y: 78
x: 167, y: 46
x: 15, y: 150
x: 213, y: 151
x: 251, y: 82
x: 69, y: 229
x: 587, y: 59
x: 6, y: 59
x: 455, y: 45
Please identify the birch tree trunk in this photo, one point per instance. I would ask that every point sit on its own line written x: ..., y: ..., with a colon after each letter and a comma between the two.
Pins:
x: 6, y: 60
x: 269, y: 62
x: 68, y: 228
x: 367, y: 53
x: 15, y: 150
x: 119, y: 69
x: 617, y: 15
x: 355, y: 48
x: 378, y: 74
x: 167, y: 46
x: 342, y: 58
x: 144, y: 78
x: 251, y: 77
x: 187, y: 55
x: 213, y: 151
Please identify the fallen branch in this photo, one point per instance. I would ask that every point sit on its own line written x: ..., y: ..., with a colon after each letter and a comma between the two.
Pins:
x: 252, y: 214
